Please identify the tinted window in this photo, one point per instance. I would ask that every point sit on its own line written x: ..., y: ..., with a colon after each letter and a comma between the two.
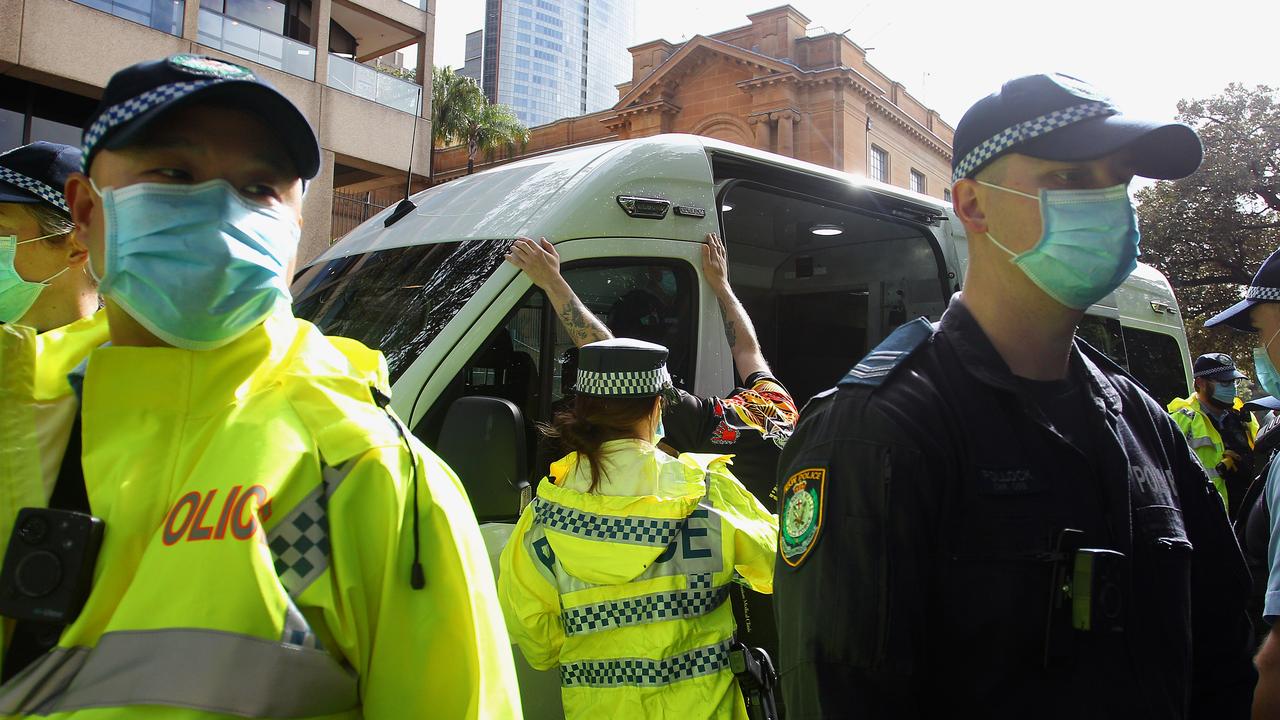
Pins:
x: 1103, y: 333
x: 1156, y: 361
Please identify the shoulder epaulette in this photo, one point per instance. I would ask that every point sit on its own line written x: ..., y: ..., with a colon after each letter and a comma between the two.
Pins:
x: 872, y: 370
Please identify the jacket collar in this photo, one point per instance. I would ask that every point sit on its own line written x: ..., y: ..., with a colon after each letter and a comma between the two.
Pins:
x: 980, y: 359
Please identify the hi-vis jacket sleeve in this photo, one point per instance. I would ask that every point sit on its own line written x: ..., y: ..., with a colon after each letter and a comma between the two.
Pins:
x: 529, y: 601
x: 755, y: 530
x: 441, y: 651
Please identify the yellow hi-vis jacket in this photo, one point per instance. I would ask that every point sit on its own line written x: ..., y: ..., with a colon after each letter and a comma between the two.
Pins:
x: 258, y: 545
x: 1204, y: 438
x: 625, y: 588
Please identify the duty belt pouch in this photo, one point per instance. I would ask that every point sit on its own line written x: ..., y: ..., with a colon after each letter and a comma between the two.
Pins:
x: 756, y: 676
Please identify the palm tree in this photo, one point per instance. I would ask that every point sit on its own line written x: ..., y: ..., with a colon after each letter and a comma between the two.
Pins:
x: 489, y: 128
x: 453, y: 98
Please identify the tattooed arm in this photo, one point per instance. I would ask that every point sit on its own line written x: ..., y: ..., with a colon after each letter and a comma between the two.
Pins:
x: 738, y: 329
x: 540, y: 261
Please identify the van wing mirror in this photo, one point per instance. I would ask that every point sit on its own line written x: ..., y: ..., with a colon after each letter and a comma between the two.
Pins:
x: 483, y: 440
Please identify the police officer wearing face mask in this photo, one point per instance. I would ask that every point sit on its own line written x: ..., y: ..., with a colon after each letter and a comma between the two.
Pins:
x: 985, y: 518
x: 1260, y: 312
x: 276, y: 544
x: 1217, y: 428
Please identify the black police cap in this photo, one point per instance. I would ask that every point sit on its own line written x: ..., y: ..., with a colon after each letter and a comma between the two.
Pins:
x: 1058, y: 117
x: 138, y: 95
x: 1265, y: 287
x: 37, y: 173
x: 1216, y: 366
x: 622, y: 367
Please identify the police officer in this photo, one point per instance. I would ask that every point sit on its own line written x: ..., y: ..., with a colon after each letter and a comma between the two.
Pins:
x: 1217, y: 427
x: 43, y: 281
x: 619, y: 571
x: 1259, y: 312
x: 985, y: 518
x: 276, y: 544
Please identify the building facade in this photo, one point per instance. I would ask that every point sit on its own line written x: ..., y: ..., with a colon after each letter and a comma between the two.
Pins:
x: 550, y: 59
x: 770, y: 85
x: 473, y: 57
x: 57, y: 55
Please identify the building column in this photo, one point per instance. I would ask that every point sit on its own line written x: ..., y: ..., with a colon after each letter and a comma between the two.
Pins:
x: 424, y: 73
x: 321, y: 11
x: 191, y: 20
x: 317, y: 211
x: 763, y: 129
x: 786, y: 132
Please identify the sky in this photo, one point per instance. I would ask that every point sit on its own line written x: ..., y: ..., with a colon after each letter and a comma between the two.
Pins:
x: 1145, y: 54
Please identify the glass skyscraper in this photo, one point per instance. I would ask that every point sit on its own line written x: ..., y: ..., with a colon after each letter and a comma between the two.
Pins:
x: 551, y: 59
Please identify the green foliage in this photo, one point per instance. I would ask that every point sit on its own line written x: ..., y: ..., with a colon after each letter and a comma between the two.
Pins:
x: 461, y: 114
x: 396, y: 72
x: 1211, y: 231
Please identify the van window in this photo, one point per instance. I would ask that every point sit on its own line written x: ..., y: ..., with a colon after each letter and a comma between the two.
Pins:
x: 1156, y: 360
x: 395, y: 300
x: 826, y: 274
x: 526, y: 359
x: 1103, y: 333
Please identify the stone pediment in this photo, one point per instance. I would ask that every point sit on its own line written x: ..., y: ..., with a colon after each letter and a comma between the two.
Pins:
x: 693, y: 54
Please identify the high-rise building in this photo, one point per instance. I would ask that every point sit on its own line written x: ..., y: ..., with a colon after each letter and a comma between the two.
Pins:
x: 552, y: 59
x: 474, y: 56
x: 57, y: 55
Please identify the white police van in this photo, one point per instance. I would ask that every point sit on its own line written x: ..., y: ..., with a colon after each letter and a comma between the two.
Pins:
x: 825, y: 263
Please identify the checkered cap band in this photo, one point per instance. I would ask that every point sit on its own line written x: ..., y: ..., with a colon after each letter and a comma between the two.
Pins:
x: 1028, y: 130
x: 635, y: 383
x: 656, y: 607
x: 122, y: 113
x: 41, y: 190
x: 1213, y: 371
x: 1263, y: 293
x: 646, y: 672
x: 654, y: 532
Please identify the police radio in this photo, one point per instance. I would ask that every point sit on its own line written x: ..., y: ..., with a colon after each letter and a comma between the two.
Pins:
x: 48, y: 567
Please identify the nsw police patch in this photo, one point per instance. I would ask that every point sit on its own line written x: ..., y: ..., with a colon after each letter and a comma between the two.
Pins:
x: 801, y: 520
x: 210, y: 67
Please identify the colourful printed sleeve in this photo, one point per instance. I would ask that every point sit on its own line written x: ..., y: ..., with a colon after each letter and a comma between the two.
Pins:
x: 529, y: 600
x: 439, y: 651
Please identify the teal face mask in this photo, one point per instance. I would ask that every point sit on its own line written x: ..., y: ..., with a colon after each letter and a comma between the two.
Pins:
x: 1268, y: 378
x: 1224, y: 393
x: 1088, y: 245
x: 197, y: 265
x: 16, y: 294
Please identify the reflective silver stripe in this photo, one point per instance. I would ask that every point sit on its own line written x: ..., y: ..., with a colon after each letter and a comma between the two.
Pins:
x: 675, y: 605
x: 630, y: 530
x: 645, y: 671
x: 1199, y: 442
x: 206, y: 670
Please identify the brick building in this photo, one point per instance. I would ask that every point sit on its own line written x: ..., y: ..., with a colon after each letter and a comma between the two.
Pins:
x: 768, y: 85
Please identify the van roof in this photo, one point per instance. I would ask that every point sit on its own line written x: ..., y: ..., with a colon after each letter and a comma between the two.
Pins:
x: 571, y: 193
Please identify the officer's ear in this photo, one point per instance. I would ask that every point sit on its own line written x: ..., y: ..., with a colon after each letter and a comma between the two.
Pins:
x: 81, y: 201
x: 967, y: 202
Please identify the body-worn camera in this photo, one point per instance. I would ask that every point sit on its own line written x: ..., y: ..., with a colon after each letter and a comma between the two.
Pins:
x: 1097, y: 590
x: 48, y: 567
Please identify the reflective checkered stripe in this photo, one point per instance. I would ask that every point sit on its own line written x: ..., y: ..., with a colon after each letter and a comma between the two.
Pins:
x: 631, y: 383
x: 1263, y: 293
x: 132, y: 108
x: 1028, y: 130
x: 645, y: 672
x: 629, y: 530
x: 41, y: 190
x: 700, y: 599
x: 300, y: 541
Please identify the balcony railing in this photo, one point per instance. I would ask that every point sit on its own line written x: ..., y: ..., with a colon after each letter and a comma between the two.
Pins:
x: 362, y: 80
x: 162, y: 15
x: 261, y: 46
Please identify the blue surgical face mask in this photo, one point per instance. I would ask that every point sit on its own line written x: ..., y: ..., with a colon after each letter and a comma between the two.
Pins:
x: 1224, y: 393
x: 1268, y: 378
x: 17, y: 294
x: 1088, y: 245
x: 197, y: 265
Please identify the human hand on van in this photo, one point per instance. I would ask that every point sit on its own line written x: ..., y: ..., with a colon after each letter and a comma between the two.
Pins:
x: 539, y: 260
x: 715, y: 262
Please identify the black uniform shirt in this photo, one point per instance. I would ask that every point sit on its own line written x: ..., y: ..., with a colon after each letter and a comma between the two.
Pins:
x: 921, y: 503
